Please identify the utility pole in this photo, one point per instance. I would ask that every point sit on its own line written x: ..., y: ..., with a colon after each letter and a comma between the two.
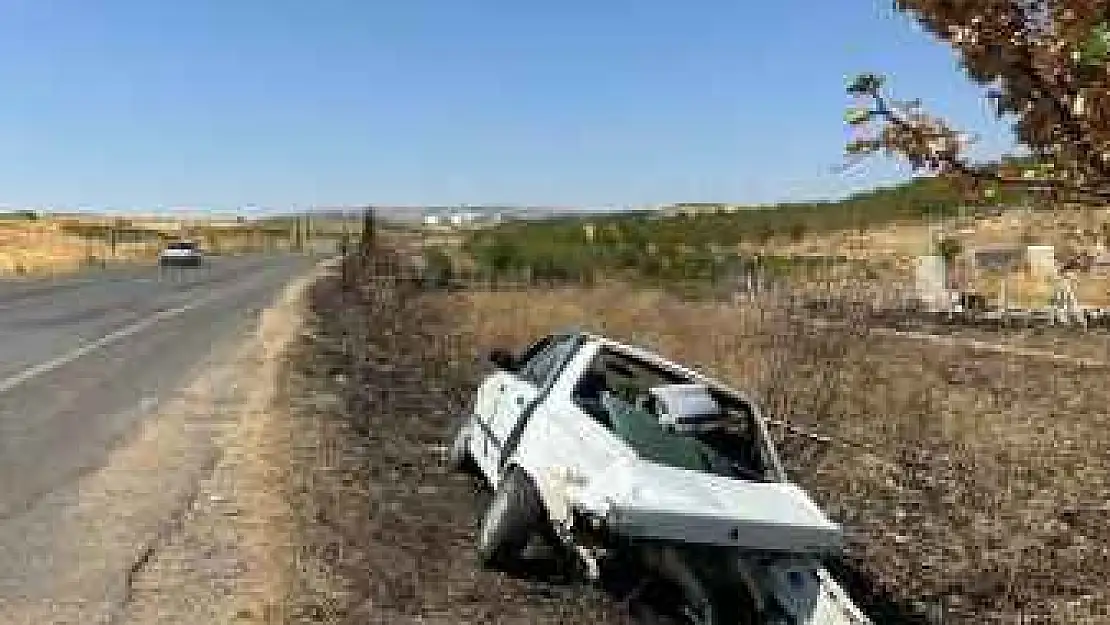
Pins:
x: 343, y: 238
x: 369, y: 229
x: 112, y: 235
x: 306, y: 236
x: 345, y: 265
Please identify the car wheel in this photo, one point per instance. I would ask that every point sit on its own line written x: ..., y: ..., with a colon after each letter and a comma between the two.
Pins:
x: 666, y: 602
x: 513, y: 516
x: 669, y: 589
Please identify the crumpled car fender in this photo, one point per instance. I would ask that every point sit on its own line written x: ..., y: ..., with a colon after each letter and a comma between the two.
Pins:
x: 561, y: 489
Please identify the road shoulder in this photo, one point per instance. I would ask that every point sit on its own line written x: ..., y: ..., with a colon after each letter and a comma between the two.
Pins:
x: 226, y: 559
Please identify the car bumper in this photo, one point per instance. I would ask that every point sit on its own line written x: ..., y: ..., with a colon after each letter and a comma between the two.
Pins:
x: 180, y: 261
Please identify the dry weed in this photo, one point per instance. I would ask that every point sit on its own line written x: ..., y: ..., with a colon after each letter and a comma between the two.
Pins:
x: 34, y: 247
x: 975, y: 477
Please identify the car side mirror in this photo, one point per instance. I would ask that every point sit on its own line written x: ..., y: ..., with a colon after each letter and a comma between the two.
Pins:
x: 502, y: 359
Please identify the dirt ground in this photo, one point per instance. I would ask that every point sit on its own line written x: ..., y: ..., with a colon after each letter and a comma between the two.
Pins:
x: 971, y: 478
x: 974, y: 480
x: 387, y: 531
x: 228, y: 556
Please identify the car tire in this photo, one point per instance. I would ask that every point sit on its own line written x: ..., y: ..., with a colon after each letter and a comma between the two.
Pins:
x: 514, y: 514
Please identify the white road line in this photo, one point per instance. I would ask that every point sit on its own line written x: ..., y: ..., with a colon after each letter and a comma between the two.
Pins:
x: 31, y: 373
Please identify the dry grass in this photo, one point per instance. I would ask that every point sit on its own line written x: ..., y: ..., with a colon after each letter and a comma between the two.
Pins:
x: 34, y: 247
x: 900, y: 239
x: 1067, y: 229
x: 513, y: 318
x: 45, y: 246
x: 387, y: 532
x: 1026, y: 289
x: 977, y: 477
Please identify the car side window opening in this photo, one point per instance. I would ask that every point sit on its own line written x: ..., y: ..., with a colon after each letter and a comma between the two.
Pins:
x: 542, y: 367
x: 534, y: 371
x: 560, y: 353
x: 532, y: 352
x: 587, y: 394
x: 614, y: 391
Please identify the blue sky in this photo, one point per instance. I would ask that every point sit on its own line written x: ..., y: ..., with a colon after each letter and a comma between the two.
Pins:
x: 140, y: 104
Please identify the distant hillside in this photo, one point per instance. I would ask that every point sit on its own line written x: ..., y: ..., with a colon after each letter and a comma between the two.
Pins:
x: 417, y: 214
x: 912, y: 201
x: 697, y: 242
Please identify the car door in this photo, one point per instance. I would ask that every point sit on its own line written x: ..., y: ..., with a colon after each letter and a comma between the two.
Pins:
x: 521, y: 390
x: 489, y: 436
x: 484, y: 445
x: 564, y: 445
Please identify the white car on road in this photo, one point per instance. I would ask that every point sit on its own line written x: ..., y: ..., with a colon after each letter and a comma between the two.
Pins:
x: 630, y: 462
x: 181, y: 253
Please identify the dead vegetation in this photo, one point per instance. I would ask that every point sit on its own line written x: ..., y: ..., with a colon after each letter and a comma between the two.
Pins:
x: 968, y: 479
x: 976, y: 479
x: 386, y: 530
x: 46, y: 245
x: 36, y: 247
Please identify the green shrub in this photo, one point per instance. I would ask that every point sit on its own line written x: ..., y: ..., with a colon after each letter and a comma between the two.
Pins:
x: 672, y: 249
x: 439, y: 269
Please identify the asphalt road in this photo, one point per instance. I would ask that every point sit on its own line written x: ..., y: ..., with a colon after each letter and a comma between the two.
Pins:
x: 84, y: 360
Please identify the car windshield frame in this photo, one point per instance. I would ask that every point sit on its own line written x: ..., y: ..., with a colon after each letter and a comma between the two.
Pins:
x: 736, y: 450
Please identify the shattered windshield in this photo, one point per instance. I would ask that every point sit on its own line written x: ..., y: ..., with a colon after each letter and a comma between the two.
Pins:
x: 613, y: 392
x: 719, y: 451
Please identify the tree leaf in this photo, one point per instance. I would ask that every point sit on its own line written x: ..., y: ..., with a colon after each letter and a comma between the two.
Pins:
x: 857, y: 116
x: 1096, y: 48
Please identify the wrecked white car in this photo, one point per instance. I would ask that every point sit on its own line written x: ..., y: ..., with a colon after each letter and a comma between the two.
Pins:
x: 629, y: 460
